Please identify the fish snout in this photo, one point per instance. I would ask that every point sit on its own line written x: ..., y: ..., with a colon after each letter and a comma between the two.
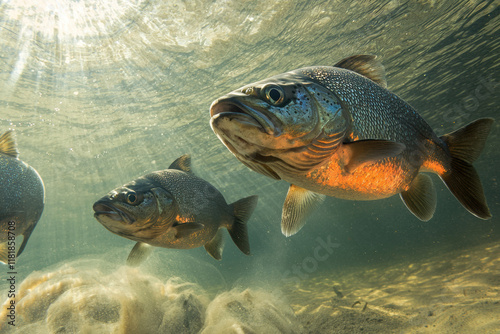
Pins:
x: 108, y: 211
x: 244, y: 110
x: 221, y: 104
x: 100, y: 207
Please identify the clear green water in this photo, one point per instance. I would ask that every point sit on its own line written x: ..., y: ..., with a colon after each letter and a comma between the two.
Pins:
x: 102, y: 92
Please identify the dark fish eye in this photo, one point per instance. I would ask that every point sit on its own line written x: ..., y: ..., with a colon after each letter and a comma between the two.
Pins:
x: 132, y: 198
x: 275, y: 95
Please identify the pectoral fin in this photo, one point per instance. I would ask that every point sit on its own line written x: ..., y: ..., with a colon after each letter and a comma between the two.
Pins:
x: 366, y: 151
x: 182, y: 163
x: 299, y: 203
x: 215, y: 246
x: 139, y: 253
x: 185, y: 229
x: 420, y: 199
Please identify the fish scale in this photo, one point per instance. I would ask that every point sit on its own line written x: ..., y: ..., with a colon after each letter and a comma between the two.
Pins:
x: 374, y: 110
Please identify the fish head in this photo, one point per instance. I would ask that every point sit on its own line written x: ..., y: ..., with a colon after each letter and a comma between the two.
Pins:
x: 286, y: 122
x: 139, y: 210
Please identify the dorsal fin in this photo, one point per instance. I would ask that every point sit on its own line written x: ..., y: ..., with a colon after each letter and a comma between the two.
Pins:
x: 8, y: 144
x: 366, y: 65
x: 182, y: 163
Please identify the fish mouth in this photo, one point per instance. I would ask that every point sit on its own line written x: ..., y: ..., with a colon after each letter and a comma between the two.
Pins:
x: 109, y: 211
x: 234, y: 109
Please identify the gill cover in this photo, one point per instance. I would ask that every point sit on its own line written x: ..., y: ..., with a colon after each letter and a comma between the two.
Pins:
x: 309, y: 124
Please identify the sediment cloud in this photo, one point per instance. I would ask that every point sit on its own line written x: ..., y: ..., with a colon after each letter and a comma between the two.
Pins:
x: 73, y: 299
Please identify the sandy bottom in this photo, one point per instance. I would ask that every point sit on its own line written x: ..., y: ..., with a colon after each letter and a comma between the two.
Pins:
x: 457, y: 292
x: 86, y: 297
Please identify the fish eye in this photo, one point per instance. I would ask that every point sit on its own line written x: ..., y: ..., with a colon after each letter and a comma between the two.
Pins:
x: 275, y: 95
x: 132, y: 198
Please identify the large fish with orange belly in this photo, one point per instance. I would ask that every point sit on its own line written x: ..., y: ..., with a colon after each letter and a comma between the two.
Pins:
x: 337, y: 131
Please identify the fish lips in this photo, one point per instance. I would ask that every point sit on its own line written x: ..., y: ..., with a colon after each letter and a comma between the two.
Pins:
x: 108, y: 211
x: 233, y: 109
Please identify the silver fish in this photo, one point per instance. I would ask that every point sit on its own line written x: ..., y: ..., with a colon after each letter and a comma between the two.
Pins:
x: 22, y: 199
x: 337, y: 131
x: 174, y: 208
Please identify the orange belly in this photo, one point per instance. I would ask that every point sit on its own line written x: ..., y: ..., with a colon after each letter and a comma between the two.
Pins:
x: 368, y: 182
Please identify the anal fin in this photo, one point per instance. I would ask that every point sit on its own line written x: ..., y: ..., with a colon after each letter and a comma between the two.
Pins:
x: 299, y: 203
x: 215, y: 246
x: 139, y: 253
x: 420, y: 199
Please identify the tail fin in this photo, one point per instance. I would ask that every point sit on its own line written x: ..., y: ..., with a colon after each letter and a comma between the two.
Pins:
x: 242, y: 210
x: 465, y: 145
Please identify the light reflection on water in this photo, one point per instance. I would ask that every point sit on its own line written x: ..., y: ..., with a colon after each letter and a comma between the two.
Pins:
x: 101, y: 92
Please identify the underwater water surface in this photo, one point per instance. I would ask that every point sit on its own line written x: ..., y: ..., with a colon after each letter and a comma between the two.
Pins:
x: 100, y: 93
